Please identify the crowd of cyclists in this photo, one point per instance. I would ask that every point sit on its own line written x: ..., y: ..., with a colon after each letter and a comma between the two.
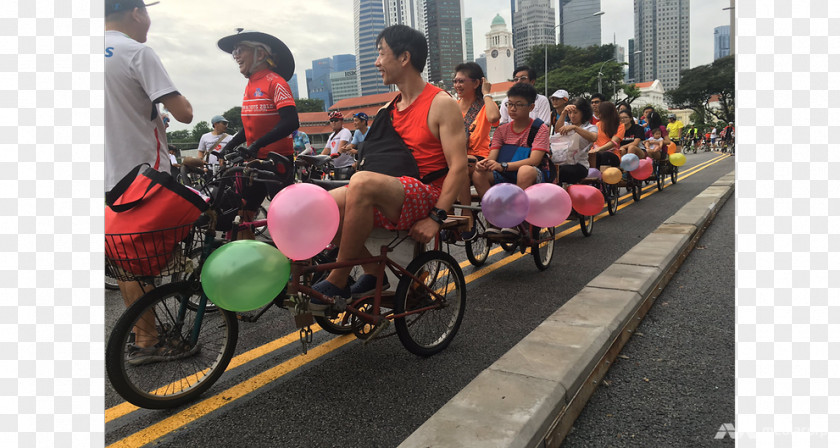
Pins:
x: 452, y: 143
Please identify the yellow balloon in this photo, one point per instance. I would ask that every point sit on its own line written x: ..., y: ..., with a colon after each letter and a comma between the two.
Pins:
x: 677, y: 159
x: 611, y: 175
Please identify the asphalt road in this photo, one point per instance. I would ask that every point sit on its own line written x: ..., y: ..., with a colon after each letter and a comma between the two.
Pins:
x: 674, y: 382
x: 377, y: 394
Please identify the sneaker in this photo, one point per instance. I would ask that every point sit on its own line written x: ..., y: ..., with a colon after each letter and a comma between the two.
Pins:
x: 470, y: 234
x: 508, y: 231
x: 138, y: 356
x: 328, y: 289
x: 365, y: 286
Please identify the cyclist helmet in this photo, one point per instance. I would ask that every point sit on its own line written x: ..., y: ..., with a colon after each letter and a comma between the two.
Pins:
x: 280, y: 59
x: 336, y: 116
x: 672, y: 117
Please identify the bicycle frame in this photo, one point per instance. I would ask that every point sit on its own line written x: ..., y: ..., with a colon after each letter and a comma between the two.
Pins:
x: 301, y: 268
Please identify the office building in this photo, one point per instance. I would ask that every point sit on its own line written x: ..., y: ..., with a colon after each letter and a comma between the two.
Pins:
x: 662, y: 35
x: 368, y: 22
x: 631, y: 61
x: 344, y: 84
x: 482, y: 62
x: 293, y: 86
x: 318, y: 81
x: 722, y: 42
x: 499, y: 51
x: 578, y: 27
x: 533, y: 27
x: 444, y: 34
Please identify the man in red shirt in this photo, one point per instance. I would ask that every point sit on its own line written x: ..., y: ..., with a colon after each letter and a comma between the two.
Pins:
x: 429, y: 122
x: 269, y: 115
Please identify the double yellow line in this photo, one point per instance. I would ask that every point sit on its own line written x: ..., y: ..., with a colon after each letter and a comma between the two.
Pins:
x: 204, y: 407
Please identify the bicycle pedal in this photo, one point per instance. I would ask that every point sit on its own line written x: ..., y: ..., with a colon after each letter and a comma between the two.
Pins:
x: 383, y: 324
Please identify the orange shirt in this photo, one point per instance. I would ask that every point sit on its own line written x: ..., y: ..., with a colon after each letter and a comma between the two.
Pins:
x: 603, y: 138
x: 412, y: 124
x: 266, y: 93
x: 479, y: 144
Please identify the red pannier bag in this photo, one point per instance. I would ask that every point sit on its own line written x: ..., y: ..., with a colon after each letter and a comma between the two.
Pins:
x: 148, y: 213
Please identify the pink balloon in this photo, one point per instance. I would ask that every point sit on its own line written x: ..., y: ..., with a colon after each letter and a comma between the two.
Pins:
x: 548, y: 205
x: 644, y: 170
x: 505, y: 205
x: 586, y: 199
x: 302, y: 220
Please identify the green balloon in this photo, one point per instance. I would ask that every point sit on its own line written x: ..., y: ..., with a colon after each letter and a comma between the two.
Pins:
x: 244, y: 275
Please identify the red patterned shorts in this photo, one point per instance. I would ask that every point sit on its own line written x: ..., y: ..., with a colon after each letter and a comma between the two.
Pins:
x: 419, y: 201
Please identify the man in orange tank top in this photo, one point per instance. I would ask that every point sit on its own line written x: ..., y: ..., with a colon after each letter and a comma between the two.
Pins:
x: 429, y: 122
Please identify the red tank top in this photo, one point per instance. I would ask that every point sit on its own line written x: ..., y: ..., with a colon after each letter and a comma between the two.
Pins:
x: 412, y: 125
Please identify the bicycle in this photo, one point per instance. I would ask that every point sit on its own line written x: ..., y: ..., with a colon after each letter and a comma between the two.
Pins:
x: 426, y: 310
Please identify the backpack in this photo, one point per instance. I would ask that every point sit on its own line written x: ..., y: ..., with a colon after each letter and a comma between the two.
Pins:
x: 384, y: 151
x: 511, y: 153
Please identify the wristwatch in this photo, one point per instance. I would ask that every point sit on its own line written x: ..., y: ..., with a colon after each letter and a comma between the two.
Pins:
x: 437, y: 215
x: 504, y: 166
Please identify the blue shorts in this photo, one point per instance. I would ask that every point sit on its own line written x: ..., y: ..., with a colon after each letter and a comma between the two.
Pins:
x: 510, y: 177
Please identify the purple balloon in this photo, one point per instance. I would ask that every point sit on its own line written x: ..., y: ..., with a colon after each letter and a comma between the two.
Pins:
x: 505, y: 205
x: 594, y: 172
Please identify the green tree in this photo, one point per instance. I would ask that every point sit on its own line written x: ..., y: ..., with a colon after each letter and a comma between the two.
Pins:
x: 697, y: 85
x: 201, y: 128
x: 576, y: 69
x: 309, y: 105
x: 234, y: 118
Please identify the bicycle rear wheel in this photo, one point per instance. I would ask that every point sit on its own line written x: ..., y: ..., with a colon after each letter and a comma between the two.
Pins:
x: 674, y: 170
x: 179, y: 378
x: 428, y: 332
x: 478, y: 248
x: 543, y: 246
x: 612, y: 199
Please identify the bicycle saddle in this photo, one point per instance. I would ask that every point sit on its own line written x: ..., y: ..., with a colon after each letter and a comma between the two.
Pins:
x: 318, y: 160
x: 329, y: 184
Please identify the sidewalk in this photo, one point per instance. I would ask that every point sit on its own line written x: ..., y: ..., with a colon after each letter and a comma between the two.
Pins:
x: 533, y: 393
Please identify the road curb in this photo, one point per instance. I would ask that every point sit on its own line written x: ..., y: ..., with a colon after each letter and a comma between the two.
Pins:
x: 532, y: 394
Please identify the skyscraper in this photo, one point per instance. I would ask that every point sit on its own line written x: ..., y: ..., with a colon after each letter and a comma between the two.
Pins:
x: 444, y: 34
x: 533, y: 25
x: 662, y: 35
x: 722, y: 42
x: 631, y: 60
x: 318, y: 81
x: 368, y: 22
x: 468, y: 35
x: 293, y: 86
x: 401, y: 12
x: 582, y: 29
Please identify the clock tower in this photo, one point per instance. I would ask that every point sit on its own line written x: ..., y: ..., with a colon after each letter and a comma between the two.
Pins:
x: 499, y: 51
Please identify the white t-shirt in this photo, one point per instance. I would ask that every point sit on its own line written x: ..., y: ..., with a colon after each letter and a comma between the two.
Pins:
x: 207, y: 140
x: 344, y: 159
x: 134, y: 130
x: 542, y: 110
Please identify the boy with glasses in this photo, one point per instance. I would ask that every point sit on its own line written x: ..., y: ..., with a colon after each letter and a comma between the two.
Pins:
x: 523, y: 172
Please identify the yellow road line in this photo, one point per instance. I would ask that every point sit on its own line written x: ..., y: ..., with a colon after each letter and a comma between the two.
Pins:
x: 204, y: 407
x: 198, y: 410
x: 124, y: 408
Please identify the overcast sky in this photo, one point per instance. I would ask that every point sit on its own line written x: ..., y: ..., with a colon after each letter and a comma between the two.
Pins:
x: 184, y: 34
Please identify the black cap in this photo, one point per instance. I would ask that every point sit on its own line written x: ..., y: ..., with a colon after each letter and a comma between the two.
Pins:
x: 112, y: 6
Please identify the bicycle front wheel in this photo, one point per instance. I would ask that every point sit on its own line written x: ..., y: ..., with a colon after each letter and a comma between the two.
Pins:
x: 178, y: 369
x: 478, y: 248
x: 425, y: 333
x: 543, y: 246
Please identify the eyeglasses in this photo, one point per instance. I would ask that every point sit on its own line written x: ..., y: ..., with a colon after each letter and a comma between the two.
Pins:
x: 596, y: 101
x: 517, y: 105
x: 239, y: 50
x: 521, y: 78
x: 460, y: 81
